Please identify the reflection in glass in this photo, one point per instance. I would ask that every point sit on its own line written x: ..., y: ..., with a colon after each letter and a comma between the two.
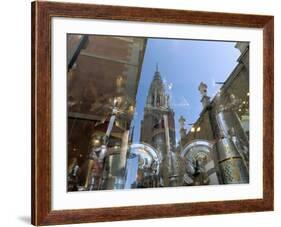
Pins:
x: 134, y: 125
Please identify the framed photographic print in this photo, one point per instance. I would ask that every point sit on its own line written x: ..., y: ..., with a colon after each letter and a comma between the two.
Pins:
x: 144, y: 113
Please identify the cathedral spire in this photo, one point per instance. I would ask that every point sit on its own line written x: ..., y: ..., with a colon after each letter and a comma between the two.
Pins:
x: 157, y: 73
x: 158, y: 128
x: 157, y: 96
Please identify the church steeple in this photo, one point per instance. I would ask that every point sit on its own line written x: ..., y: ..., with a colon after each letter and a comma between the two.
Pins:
x: 157, y: 97
x: 157, y: 73
x: 158, y: 127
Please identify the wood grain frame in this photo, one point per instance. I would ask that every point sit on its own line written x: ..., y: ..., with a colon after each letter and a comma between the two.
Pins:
x: 42, y: 13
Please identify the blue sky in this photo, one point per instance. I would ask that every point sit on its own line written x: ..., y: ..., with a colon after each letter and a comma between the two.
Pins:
x: 183, y: 64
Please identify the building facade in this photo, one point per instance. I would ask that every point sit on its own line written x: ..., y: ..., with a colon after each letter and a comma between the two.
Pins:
x: 102, y: 81
x: 158, y: 130
x: 102, y: 155
x: 224, y: 124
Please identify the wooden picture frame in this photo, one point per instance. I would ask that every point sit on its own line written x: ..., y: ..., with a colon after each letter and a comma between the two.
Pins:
x: 42, y: 13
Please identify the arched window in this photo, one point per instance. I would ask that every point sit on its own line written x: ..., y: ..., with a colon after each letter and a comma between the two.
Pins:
x: 158, y: 100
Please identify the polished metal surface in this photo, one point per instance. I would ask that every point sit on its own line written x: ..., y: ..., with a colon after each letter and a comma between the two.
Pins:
x: 176, y: 169
x: 233, y: 145
x: 192, y: 149
x: 229, y: 124
x: 234, y: 171
x: 149, y: 159
x: 148, y: 166
x: 226, y: 149
x: 196, y: 156
x: 232, y: 165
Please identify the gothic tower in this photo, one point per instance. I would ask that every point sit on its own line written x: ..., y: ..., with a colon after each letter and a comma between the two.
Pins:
x: 158, y: 126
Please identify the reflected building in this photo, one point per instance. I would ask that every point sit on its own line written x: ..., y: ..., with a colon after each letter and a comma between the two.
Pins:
x: 101, y: 153
x: 158, y: 130
x: 224, y: 123
x: 102, y: 81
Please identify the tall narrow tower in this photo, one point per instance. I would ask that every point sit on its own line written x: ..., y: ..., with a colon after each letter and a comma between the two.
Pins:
x: 158, y: 125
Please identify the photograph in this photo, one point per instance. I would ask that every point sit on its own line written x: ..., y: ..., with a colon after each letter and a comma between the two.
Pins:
x: 148, y: 112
